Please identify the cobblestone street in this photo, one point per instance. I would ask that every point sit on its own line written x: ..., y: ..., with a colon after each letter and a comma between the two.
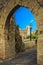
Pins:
x: 28, y: 57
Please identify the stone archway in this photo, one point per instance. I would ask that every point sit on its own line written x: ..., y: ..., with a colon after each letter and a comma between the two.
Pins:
x: 34, y: 6
x: 12, y: 36
x: 7, y: 6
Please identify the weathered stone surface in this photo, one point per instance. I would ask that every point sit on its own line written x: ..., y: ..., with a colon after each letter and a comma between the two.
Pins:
x: 19, y: 45
x: 8, y: 6
x: 28, y: 43
x: 9, y: 33
x: 11, y: 41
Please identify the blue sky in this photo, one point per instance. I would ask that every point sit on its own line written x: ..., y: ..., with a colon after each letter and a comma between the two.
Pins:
x: 24, y: 17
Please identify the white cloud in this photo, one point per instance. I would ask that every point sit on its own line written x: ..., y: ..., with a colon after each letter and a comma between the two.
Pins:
x: 32, y: 21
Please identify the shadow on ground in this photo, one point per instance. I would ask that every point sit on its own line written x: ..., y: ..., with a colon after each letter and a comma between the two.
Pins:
x: 28, y: 57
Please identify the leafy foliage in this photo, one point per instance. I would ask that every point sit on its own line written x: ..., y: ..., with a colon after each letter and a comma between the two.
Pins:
x: 34, y: 36
x: 28, y: 37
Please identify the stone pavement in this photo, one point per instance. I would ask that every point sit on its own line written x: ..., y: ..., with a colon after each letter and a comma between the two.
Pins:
x: 28, y: 57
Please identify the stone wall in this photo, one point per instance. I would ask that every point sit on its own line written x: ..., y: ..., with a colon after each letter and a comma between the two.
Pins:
x: 9, y: 31
x: 6, y: 8
x: 29, y: 44
x: 40, y: 50
x: 9, y: 37
x: 2, y: 41
x: 19, y: 45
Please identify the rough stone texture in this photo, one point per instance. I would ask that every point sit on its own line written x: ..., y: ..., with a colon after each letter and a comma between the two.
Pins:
x: 7, y: 40
x: 9, y: 33
x: 8, y: 6
x: 10, y: 39
x: 28, y: 43
x: 19, y: 45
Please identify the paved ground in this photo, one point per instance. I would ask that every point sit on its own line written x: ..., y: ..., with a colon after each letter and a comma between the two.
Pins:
x: 28, y: 57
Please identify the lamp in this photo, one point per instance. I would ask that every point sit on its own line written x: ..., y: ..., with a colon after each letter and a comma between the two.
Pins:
x: 30, y: 32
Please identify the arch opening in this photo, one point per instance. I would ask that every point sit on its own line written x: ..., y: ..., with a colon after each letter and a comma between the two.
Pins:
x: 12, y: 33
